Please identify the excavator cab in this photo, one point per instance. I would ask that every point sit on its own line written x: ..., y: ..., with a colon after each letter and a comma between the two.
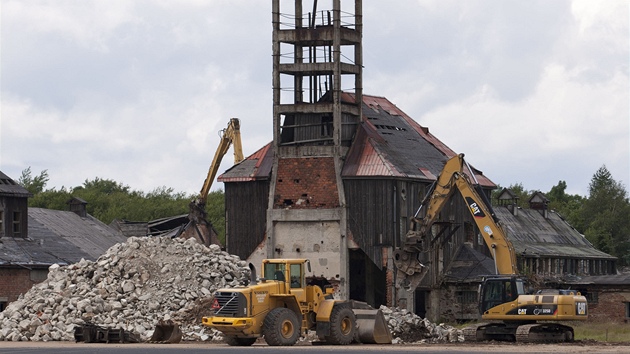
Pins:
x: 495, y: 291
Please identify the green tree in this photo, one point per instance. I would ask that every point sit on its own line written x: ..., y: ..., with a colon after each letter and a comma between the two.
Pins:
x: 33, y: 184
x: 606, y: 215
x: 522, y: 194
x: 567, y: 205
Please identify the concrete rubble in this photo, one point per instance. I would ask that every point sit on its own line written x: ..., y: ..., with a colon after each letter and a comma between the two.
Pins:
x: 147, y: 279
x: 407, y: 327
x: 132, y: 286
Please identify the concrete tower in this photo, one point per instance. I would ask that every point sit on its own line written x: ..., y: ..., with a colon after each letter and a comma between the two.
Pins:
x: 317, y: 80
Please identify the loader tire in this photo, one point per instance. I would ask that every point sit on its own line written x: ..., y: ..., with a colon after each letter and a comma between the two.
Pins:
x: 342, y: 326
x: 281, y: 327
x: 239, y: 342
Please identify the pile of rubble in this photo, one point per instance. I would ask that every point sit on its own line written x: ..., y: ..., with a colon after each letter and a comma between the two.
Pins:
x: 407, y: 327
x: 131, y: 287
x: 144, y: 280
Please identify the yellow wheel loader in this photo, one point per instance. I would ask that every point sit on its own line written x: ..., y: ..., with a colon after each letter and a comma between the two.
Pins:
x: 281, y: 307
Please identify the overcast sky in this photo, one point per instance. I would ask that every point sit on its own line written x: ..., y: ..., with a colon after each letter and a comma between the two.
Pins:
x: 533, y: 92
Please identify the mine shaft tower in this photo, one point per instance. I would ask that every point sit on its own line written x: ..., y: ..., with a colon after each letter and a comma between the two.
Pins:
x: 317, y: 95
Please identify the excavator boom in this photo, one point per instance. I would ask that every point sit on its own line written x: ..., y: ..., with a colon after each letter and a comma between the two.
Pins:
x: 198, y: 226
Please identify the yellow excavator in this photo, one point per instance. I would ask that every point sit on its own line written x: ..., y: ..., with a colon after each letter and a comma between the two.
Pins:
x: 512, y: 314
x: 281, y: 307
x: 198, y: 226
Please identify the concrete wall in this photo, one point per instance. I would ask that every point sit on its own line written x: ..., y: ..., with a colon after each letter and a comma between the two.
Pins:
x: 312, y: 234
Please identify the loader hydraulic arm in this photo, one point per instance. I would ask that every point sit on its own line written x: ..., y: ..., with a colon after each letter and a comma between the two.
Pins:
x: 452, y: 178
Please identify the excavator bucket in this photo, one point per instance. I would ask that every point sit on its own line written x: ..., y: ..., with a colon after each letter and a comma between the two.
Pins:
x: 166, y: 332
x: 372, y: 328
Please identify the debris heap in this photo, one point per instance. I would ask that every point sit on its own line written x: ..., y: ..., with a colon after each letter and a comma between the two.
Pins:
x: 132, y: 286
x: 407, y: 327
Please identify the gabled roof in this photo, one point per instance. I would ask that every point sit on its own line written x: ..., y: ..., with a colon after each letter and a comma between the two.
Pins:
x: 388, y: 144
x: 391, y: 144
x: 534, y: 235
x: 56, y: 236
x: 9, y: 188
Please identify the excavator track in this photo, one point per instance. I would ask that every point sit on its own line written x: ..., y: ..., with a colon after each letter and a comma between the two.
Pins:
x: 472, y: 333
x: 544, y: 332
x: 525, y: 333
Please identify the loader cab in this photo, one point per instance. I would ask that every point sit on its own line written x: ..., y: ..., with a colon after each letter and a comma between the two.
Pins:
x: 275, y: 271
x: 495, y: 291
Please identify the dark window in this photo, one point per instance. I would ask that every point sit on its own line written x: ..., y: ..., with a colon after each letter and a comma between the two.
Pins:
x: 592, y: 297
x: 466, y: 297
x: 17, y: 222
x: 297, y: 280
x: 327, y: 126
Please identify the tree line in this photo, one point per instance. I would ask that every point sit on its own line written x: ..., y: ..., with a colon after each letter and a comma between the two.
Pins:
x: 603, y: 216
x: 108, y: 200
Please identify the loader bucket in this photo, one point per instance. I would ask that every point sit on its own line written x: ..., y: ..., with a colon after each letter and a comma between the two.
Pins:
x: 372, y: 328
x: 166, y: 332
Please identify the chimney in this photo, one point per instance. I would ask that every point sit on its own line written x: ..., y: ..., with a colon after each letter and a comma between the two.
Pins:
x: 508, y: 199
x: 539, y: 202
x: 78, y: 206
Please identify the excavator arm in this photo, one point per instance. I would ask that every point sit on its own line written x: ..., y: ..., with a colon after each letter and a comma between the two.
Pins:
x: 410, y: 271
x: 229, y: 136
x: 198, y: 226
x: 502, y: 298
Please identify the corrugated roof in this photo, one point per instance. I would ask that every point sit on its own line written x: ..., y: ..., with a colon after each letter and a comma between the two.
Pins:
x: 254, y: 167
x: 534, y: 235
x: 390, y: 143
x: 615, y: 279
x: 58, y: 237
x: 9, y: 188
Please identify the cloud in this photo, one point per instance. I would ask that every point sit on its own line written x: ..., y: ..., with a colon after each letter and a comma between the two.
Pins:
x: 136, y: 91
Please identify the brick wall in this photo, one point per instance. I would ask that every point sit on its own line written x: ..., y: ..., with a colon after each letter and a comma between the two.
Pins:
x: 306, y: 183
x: 610, y: 306
x: 15, y: 281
